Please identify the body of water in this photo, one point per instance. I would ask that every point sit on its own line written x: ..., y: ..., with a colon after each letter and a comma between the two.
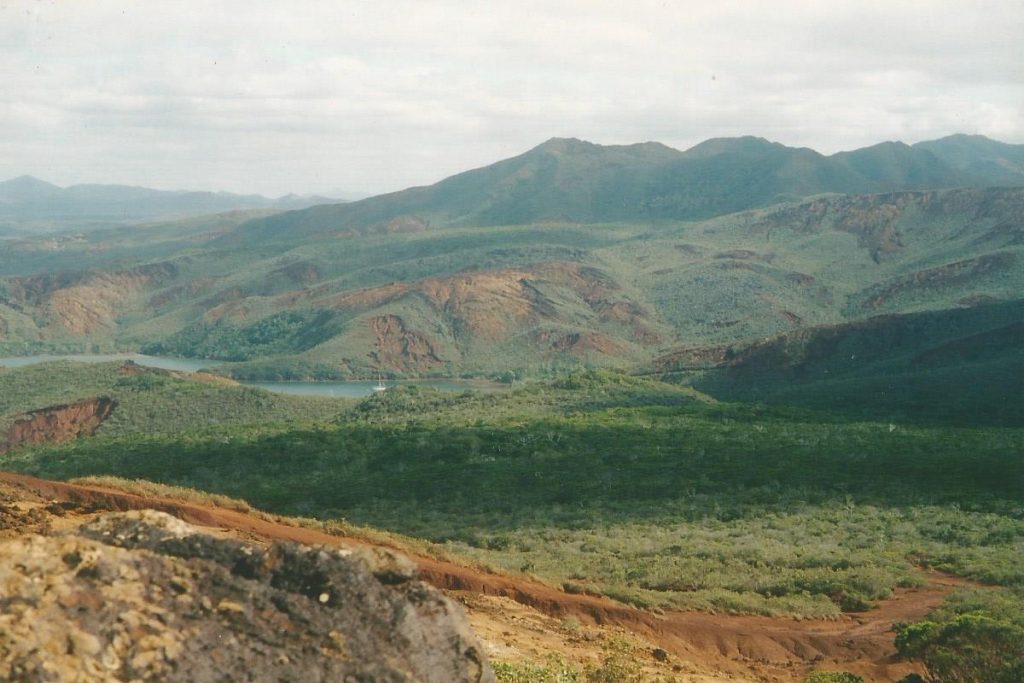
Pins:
x: 349, y: 389
x: 359, y: 389
x: 179, y: 364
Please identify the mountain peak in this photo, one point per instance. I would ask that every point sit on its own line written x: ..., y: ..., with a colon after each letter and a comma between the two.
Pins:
x: 25, y: 182
x: 965, y: 143
x: 993, y: 162
x: 887, y: 144
x: 747, y: 144
x: 960, y: 137
x: 565, y: 146
x: 27, y: 188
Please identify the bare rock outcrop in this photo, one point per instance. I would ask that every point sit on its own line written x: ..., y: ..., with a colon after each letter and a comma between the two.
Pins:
x: 142, y: 596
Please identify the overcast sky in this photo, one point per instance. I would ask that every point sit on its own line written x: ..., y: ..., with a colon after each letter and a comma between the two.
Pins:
x: 356, y: 97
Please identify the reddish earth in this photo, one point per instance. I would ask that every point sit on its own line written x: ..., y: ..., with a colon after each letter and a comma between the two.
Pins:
x: 300, y: 273
x: 231, y: 310
x: 357, y: 299
x: 580, y: 342
x: 183, y: 292
x: 490, y: 304
x: 743, y: 255
x: 83, y: 303
x: 57, y: 424
x: 485, y: 305
x: 403, y: 224
x: 494, y: 306
x: 691, y: 358
x: 517, y: 615
x: 958, y: 273
x: 876, y: 220
x: 397, y: 346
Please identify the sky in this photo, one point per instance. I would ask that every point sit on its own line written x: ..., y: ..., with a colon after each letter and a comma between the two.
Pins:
x: 350, y: 98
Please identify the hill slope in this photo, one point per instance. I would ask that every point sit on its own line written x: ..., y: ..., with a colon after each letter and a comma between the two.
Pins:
x: 961, y: 366
x: 534, y: 298
x: 505, y: 269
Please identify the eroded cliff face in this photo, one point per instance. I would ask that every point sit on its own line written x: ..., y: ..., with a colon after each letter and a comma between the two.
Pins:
x: 143, y: 596
x: 85, y: 303
x: 60, y: 423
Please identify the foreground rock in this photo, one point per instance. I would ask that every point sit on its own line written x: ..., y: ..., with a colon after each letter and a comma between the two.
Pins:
x: 144, y: 596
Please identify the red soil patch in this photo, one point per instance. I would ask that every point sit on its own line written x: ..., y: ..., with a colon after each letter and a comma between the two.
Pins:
x: 580, y: 342
x: 83, y: 303
x: 492, y: 305
x: 397, y: 346
x: 361, y: 299
x: 57, y: 424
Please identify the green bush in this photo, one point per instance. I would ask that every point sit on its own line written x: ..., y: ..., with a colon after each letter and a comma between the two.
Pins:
x: 619, y: 665
x: 555, y: 670
x: 145, y: 382
x: 833, y: 677
x: 968, y: 649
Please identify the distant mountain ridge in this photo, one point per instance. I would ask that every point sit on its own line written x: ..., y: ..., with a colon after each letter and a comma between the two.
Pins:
x: 27, y: 199
x: 572, y: 180
x: 570, y: 255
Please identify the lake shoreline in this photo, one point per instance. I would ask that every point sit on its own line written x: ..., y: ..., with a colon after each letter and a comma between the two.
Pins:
x: 340, y: 388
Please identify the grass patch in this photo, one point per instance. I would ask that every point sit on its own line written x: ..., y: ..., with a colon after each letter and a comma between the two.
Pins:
x: 141, y: 487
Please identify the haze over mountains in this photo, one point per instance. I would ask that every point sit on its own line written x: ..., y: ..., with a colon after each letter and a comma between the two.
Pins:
x: 37, y: 204
x: 574, y: 254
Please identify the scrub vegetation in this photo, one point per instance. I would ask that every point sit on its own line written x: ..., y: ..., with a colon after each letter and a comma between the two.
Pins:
x: 645, y: 492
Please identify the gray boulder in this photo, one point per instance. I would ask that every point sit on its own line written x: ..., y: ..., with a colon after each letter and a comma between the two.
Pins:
x: 144, y: 596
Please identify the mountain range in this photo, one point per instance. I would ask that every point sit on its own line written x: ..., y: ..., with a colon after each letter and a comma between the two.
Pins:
x: 30, y: 202
x: 576, y: 181
x: 738, y: 253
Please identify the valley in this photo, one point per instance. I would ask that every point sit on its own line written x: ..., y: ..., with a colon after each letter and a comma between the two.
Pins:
x: 327, y: 293
x: 739, y: 412
x: 648, y: 500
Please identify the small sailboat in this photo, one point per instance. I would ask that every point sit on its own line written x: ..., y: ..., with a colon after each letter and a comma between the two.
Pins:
x: 380, y: 384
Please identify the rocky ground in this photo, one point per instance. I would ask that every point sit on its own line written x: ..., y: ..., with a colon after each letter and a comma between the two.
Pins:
x: 86, y: 595
x: 143, y: 596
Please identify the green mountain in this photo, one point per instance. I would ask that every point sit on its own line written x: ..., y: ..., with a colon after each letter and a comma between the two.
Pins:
x: 575, y: 181
x: 990, y: 161
x: 493, y: 272
x: 891, y: 166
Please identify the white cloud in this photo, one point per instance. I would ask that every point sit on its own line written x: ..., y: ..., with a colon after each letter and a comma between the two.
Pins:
x: 375, y: 96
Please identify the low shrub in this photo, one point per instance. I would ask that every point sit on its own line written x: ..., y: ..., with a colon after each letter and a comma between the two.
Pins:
x: 969, y: 648
x: 833, y: 677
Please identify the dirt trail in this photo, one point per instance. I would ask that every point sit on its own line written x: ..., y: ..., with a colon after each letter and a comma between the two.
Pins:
x: 750, y: 648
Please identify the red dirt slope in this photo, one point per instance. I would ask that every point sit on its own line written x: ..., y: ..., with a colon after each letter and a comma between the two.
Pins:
x: 57, y: 424
x: 748, y: 648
